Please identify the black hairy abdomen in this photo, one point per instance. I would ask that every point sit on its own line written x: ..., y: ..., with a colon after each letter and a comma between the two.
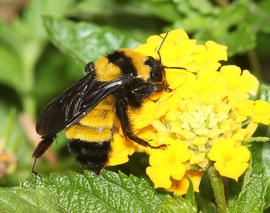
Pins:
x: 92, y: 155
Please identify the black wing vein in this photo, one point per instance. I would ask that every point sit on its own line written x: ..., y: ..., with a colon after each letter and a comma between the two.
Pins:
x: 74, y: 103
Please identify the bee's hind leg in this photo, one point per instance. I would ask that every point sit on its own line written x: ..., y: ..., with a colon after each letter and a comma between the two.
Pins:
x: 121, y: 111
x: 40, y: 149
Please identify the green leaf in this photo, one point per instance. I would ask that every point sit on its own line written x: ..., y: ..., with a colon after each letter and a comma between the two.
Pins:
x: 259, y: 15
x: 107, y: 8
x: 266, y: 164
x: 52, y: 67
x: 137, y: 8
x: 190, y: 195
x: 205, y: 206
x: 257, y: 139
x: 176, y: 204
x: 163, y: 9
x: 195, y: 7
x: 108, y: 192
x: 266, y: 158
x: 252, y: 195
x: 23, y: 200
x: 35, y: 10
x: 10, y: 69
x: 12, y: 36
x: 267, y: 198
x: 264, y: 92
x: 229, y: 27
x: 22, y: 42
x: 84, y: 41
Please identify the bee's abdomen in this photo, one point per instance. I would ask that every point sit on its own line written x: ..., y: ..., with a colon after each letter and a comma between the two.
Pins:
x: 91, y: 136
x: 91, y: 155
x: 96, y: 125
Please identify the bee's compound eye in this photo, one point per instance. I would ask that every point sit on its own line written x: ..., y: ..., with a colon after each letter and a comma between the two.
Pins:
x: 156, y: 75
x: 156, y: 69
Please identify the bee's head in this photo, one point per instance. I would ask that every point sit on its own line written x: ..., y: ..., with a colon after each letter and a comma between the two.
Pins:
x: 157, y: 74
x: 157, y: 70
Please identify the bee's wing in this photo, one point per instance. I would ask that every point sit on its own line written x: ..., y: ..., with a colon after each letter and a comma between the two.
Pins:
x: 74, y: 103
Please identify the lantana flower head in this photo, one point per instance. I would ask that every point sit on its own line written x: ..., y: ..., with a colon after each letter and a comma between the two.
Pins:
x: 205, y: 119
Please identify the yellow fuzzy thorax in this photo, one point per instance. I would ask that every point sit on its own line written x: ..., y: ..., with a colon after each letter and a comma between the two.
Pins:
x: 138, y: 61
x: 106, y: 71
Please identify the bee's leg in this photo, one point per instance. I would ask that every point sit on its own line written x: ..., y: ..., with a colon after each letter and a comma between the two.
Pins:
x: 33, y: 168
x: 40, y: 149
x: 143, y: 92
x: 90, y: 67
x: 121, y: 111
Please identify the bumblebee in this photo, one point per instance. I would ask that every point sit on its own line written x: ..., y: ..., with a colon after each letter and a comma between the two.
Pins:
x: 86, y: 109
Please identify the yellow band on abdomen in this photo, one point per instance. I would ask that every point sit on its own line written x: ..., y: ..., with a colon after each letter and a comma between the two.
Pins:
x: 95, y: 126
x: 98, y: 117
x: 89, y: 134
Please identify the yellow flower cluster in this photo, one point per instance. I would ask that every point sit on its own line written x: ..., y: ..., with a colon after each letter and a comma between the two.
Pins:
x: 205, y: 119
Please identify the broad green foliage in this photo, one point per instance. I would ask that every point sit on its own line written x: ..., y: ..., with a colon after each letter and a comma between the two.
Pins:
x: 264, y: 92
x: 266, y: 158
x: 229, y: 27
x: 190, y: 196
x: 83, y: 41
x: 22, y: 43
x: 109, y: 192
x: 177, y: 204
x: 37, y: 9
x: 10, y: 68
x: 22, y: 200
x: 236, y: 26
x: 205, y: 205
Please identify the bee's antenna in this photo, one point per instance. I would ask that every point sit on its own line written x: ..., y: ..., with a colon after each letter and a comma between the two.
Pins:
x: 179, y: 68
x: 158, y: 52
x: 162, y: 42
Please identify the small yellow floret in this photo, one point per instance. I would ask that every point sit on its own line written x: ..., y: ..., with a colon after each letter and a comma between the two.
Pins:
x: 259, y: 110
x: 181, y: 187
x: 121, y: 149
x: 230, y: 159
x: 168, y: 163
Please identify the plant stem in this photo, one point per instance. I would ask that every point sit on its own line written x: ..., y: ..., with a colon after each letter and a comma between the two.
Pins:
x: 29, y: 105
x: 218, y: 189
x: 8, y: 127
x: 254, y: 63
x: 31, y: 53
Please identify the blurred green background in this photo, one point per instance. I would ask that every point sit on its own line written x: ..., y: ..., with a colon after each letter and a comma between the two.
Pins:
x: 33, y: 70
